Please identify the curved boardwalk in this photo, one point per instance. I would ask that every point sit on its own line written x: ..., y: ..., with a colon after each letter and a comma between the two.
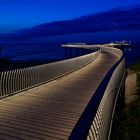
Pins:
x: 50, y: 111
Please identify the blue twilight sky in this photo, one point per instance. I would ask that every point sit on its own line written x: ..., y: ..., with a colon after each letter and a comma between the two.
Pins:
x: 17, y: 14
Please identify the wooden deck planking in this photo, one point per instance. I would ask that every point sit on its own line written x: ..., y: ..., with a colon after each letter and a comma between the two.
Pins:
x: 50, y: 111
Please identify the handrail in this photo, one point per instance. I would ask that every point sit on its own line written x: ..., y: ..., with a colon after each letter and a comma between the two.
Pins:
x: 84, y: 124
x: 94, y: 119
x: 14, y: 81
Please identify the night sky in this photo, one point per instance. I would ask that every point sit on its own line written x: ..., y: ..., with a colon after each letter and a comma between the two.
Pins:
x: 17, y: 14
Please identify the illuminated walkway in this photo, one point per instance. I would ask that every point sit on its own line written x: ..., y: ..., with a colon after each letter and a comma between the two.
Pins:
x: 50, y: 111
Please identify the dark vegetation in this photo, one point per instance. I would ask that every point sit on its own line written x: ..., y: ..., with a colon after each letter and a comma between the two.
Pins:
x: 3, y: 61
x: 6, y: 64
x: 126, y: 125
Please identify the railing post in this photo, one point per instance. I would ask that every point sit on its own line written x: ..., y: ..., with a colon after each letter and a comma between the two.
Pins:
x: 83, y: 51
x: 65, y: 48
x: 70, y: 49
x: 77, y: 52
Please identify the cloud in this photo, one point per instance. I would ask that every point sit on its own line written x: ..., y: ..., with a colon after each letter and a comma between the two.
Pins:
x: 124, y: 18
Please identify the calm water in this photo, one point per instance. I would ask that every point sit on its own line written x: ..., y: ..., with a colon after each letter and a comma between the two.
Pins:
x: 132, y: 54
x: 31, y: 51
x: 44, y: 51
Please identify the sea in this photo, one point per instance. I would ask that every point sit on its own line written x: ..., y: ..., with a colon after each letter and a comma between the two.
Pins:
x: 49, y: 50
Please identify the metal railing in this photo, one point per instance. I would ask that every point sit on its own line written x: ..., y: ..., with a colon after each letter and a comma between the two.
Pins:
x: 101, y: 125
x: 14, y: 81
x: 96, y: 121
